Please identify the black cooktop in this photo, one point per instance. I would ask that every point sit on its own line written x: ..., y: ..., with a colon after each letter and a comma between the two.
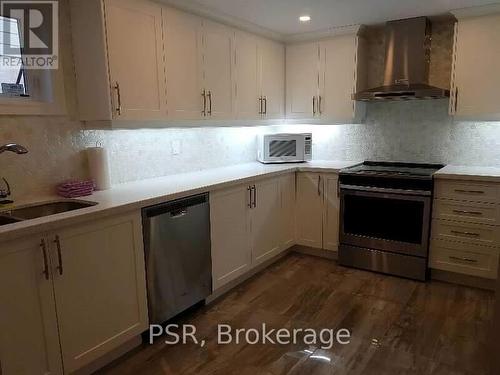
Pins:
x: 394, y: 169
x: 396, y: 175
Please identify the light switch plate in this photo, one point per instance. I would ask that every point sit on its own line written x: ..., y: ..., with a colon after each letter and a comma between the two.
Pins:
x: 176, y: 147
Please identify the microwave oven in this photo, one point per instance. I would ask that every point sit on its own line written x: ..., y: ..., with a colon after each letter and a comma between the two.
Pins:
x: 284, y: 148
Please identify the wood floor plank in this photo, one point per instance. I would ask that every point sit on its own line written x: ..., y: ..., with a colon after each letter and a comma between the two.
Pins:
x: 398, y: 326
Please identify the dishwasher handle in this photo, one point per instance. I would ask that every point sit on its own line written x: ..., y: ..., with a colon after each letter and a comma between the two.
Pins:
x: 178, y: 213
x: 176, y: 208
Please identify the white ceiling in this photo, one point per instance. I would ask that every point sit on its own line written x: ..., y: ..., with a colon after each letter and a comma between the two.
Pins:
x: 281, y: 16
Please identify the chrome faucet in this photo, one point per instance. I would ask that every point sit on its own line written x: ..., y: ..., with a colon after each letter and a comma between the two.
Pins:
x: 17, y: 149
x: 13, y: 147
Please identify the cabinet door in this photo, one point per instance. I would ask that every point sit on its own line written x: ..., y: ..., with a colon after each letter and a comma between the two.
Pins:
x: 331, y: 212
x: 309, y: 211
x: 183, y: 48
x: 101, y: 290
x: 302, y: 79
x: 230, y: 234
x: 476, y: 68
x: 136, y: 66
x: 287, y: 219
x: 218, y: 69
x: 29, y: 342
x: 272, y: 78
x: 266, y: 216
x: 247, y: 83
x: 338, y: 67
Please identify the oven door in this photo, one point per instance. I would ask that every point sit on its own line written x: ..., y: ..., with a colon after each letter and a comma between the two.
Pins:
x: 394, y: 221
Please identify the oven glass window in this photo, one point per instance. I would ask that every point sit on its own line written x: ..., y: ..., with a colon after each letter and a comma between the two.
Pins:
x: 383, y: 218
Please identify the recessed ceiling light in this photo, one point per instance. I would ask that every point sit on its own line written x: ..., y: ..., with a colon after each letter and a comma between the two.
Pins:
x: 304, y: 18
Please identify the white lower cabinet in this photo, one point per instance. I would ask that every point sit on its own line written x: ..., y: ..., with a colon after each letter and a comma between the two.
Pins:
x: 309, y: 210
x: 246, y: 226
x: 100, y: 290
x: 74, y: 295
x: 230, y: 234
x: 29, y: 342
x: 317, y: 215
x: 265, y: 220
x: 331, y: 212
x: 287, y: 212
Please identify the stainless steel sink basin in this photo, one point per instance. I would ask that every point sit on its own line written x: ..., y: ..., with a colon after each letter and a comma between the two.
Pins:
x: 45, y: 209
x: 4, y: 220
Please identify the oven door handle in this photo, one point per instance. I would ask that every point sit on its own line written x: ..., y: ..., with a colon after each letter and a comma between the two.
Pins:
x: 385, y: 190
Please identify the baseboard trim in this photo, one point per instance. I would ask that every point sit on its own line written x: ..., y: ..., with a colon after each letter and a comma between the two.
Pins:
x: 322, y: 253
x: 460, y: 279
x: 110, y: 357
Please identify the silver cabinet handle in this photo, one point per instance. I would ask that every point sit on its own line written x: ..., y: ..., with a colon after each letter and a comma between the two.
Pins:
x: 57, y: 241
x: 319, y: 182
x: 265, y: 105
x: 118, y: 98
x: 320, y: 100
x: 260, y: 106
x: 469, y: 191
x: 464, y: 212
x: 456, y: 99
x: 254, y: 196
x: 459, y: 259
x: 249, y: 189
x: 209, y: 102
x: 204, y: 95
x: 314, y: 105
x: 43, y: 247
x: 466, y: 233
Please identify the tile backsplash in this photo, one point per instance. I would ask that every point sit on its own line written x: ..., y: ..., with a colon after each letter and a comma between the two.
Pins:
x: 419, y: 131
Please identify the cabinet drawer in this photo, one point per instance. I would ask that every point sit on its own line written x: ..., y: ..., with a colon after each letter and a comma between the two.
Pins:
x: 462, y: 258
x: 467, y: 191
x: 481, y: 213
x: 465, y: 232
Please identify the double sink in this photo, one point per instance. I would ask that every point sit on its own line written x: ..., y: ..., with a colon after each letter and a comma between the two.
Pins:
x: 34, y: 211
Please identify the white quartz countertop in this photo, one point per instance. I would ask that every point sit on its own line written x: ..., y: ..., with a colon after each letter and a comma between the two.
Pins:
x: 138, y: 194
x: 457, y: 172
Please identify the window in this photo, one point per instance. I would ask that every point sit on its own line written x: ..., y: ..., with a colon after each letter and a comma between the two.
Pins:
x: 13, y: 80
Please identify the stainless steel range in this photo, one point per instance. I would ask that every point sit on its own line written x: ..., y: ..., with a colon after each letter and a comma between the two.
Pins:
x: 385, y: 217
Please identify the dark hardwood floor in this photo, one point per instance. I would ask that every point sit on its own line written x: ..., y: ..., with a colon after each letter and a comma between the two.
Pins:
x: 398, y: 326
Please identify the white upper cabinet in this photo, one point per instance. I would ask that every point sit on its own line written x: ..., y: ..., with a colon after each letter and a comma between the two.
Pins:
x: 321, y: 78
x: 247, y: 80
x: 302, y: 80
x: 260, y: 77
x: 119, y: 62
x: 475, y: 79
x: 271, y: 58
x: 338, y: 78
x: 218, y: 70
x: 183, y: 55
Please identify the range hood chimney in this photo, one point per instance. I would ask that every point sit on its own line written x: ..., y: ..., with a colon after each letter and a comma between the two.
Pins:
x: 407, y: 60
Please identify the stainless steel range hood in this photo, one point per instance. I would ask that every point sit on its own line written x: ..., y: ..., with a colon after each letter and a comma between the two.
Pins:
x: 407, y: 60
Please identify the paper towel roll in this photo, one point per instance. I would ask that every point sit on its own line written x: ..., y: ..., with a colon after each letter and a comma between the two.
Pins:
x: 99, y: 167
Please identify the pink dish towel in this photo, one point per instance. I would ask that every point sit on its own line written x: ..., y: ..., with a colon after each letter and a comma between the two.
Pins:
x: 75, y: 189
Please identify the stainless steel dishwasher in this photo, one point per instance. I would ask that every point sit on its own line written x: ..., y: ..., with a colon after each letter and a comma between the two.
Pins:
x: 178, y: 260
